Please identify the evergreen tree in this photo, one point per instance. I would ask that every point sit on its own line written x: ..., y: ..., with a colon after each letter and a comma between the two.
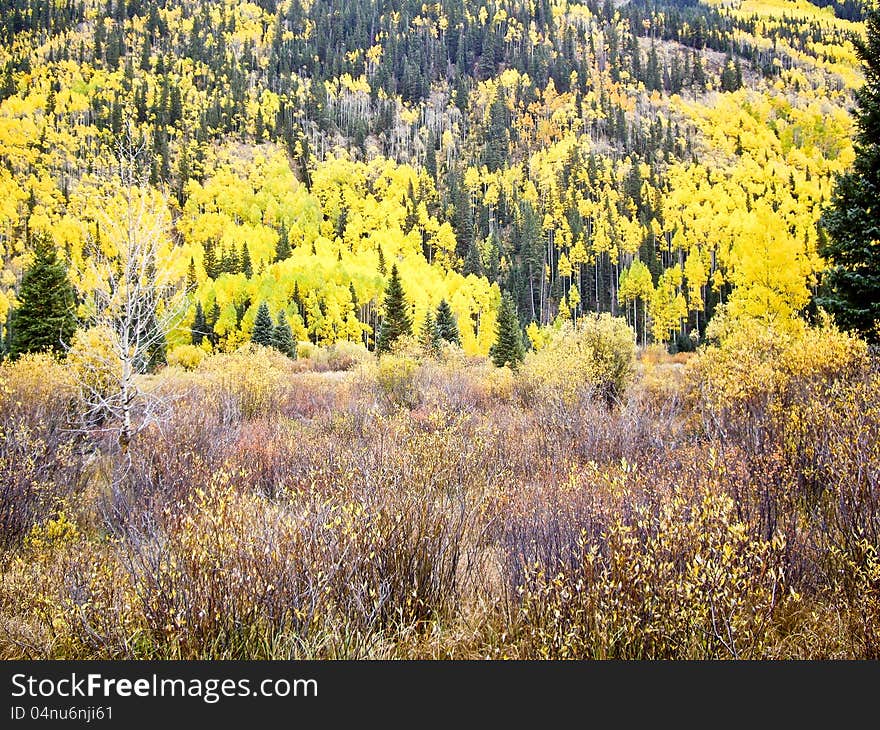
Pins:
x: 447, y: 327
x: 851, y: 286
x: 508, y: 348
x: 199, y: 326
x: 472, y: 263
x: 429, y: 335
x: 282, y: 336
x: 211, y: 267
x: 44, y: 319
x: 263, y: 327
x: 396, y: 321
x: 213, y: 318
x: 247, y: 267
x: 282, y: 248
x: 191, y: 281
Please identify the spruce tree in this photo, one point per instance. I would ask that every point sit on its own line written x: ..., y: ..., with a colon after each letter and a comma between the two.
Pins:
x: 429, y: 335
x: 396, y: 321
x: 213, y: 318
x: 851, y: 285
x: 473, y: 264
x: 210, y: 261
x: 263, y: 327
x: 282, y: 336
x: 508, y: 348
x: 282, y: 247
x: 199, y: 326
x: 447, y: 327
x: 191, y: 281
x: 247, y: 267
x: 44, y: 319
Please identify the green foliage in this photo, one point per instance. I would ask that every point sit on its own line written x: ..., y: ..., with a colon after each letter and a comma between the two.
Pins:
x: 540, y: 183
x: 282, y: 336
x: 429, y: 335
x: 396, y: 321
x: 851, y: 286
x: 263, y: 327
x: 247, y: 267
x: 199, y: 326
x: 44, y: 320
x: 508, y: 348
x: 282, y: 248
x: 447, y: 327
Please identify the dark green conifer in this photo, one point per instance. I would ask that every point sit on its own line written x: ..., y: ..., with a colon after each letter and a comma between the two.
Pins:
x: 282, y: 336
x: 282, y: 247
x: 199, y: 326
x: 508, y: 348
x: 851, y: 285
x: 44, y: 319
x: 247, y: 267
x: 263, y: 327
x: 396, y: 321
x: 447, y: 327
x: 211, y: 268
x: 191, y: 282
x: 429, y: 335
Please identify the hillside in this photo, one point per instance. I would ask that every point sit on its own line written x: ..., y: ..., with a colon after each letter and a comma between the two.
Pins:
x: 651, y: 160
x: 390, y: 330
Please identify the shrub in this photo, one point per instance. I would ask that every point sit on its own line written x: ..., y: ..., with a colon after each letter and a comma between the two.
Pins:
x: 396, y: 378
x: 597, y: 354
x: 760, y: 368
x: 684, y: 580
x: 248, y: 380
x: 39, y: 465
x: 188, y: 357
x: 93, y: 365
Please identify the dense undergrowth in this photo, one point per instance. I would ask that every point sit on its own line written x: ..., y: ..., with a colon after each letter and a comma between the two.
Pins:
x: 724, y: 507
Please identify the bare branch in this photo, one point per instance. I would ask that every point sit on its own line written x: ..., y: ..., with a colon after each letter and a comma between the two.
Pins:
x: 130, y: 299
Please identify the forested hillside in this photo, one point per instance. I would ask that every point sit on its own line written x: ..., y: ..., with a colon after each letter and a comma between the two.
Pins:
x: 651, y: 160
x: 530, y: 329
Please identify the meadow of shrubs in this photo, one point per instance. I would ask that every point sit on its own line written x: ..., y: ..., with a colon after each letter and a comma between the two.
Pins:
x: 596, y: 503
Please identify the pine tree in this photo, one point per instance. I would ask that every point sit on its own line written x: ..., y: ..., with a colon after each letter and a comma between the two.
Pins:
x: 44, y: 319
x: 282, y: 336
x: 851, y: 285
x: 508, y: 348
x: 396, y: 321
x: 191, y: 281
x: 247, y: 267
x: 447, y: 327
x: 211, y: 268
x: 429, y: 335
x: 213, y: 318
x: 472, y: 263
x: 199, y: 326
x: 282, y: 247
x: 263, y: 327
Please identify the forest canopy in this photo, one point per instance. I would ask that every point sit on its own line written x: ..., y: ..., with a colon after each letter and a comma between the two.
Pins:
x: 649, y: 160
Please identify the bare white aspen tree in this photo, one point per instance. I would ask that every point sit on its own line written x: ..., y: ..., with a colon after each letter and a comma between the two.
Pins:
x: 131, y: 301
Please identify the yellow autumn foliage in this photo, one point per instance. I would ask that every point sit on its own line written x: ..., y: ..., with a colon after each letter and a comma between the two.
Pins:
x: 596, y: 354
